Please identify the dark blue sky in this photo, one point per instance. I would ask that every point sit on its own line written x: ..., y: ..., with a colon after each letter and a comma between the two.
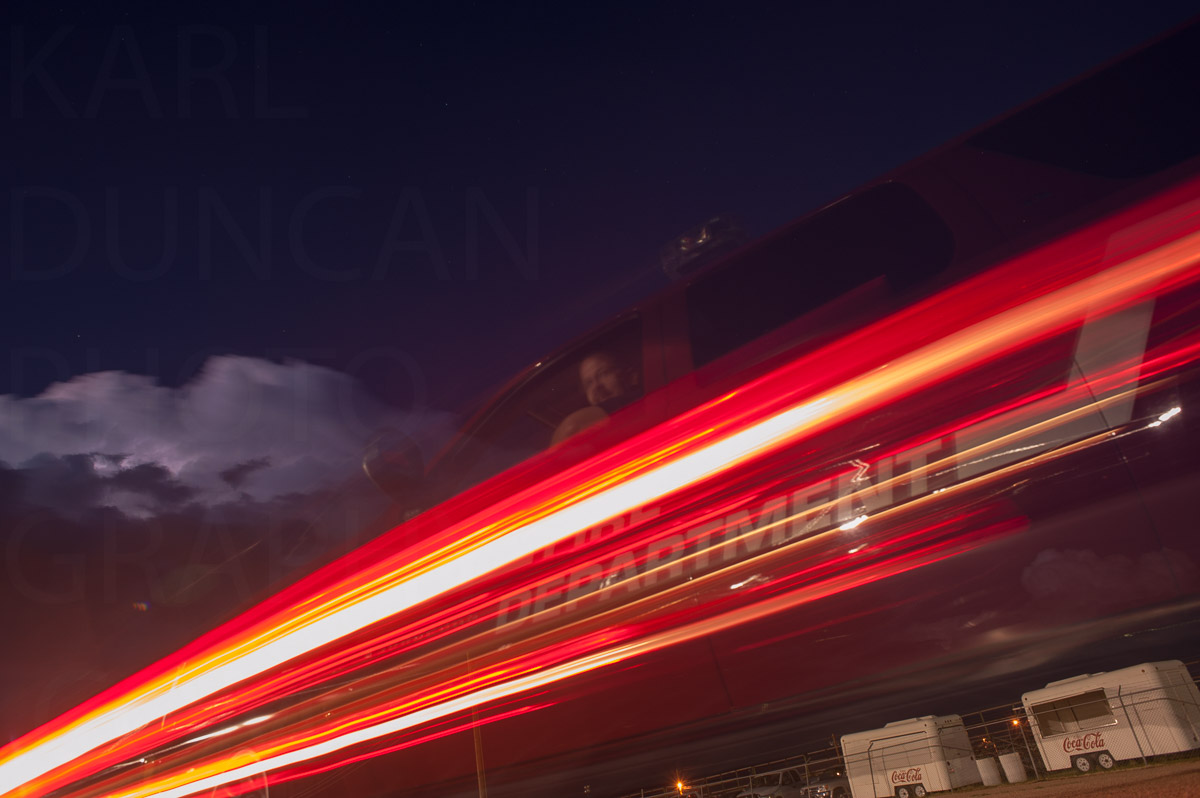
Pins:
x: 429, y: 199
x: 421, y: 200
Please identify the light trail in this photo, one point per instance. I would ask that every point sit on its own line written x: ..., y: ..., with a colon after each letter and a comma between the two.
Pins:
x: 646, y: 477
x: 255, y: 762
x: 339, y: 733
x: 993, y: 444
x: 540, y: 675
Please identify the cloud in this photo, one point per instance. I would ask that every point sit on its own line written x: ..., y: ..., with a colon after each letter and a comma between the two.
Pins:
x: 234, y: 476
x: 133, y: 516
x: 153, y: 482
x: 1082, y: 581
x: 244, y: 429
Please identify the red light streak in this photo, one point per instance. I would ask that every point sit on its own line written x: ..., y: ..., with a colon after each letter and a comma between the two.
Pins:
x: 735, y: 429
x: 542, y: 671
x: 586, y: 652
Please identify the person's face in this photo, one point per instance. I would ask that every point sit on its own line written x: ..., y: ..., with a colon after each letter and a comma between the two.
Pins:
x: 601, y: 379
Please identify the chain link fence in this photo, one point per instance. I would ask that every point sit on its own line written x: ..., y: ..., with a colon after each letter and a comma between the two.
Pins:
x: 1093, y: 722
x: 1086, y: 725
x: 817, y: 774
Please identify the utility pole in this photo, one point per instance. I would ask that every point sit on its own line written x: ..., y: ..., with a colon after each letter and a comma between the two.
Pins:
x: 479, y: 775
x: 480, y: 778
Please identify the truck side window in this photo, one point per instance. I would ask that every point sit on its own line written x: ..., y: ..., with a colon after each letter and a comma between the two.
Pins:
x: 562, y: 397
x: 886, y: 231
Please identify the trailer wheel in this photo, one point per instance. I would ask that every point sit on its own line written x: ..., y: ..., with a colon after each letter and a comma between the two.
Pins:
x: 1082, y: 763
x: 1105, y: 760
x: 903, y: 792
x: 919, y: 791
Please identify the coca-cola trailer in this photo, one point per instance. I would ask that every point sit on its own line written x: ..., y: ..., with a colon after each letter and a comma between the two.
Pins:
x: 909, y: 758
x: 1095, y: 720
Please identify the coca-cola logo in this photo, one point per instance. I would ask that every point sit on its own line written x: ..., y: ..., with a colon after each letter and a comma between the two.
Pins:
x: 906, y: 776
x: 1084, y: 742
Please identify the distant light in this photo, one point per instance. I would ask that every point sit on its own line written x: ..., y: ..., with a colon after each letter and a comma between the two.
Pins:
x: 1016, y: 722
x: 858, y: 548
x: 1167, y: 416
x: 852, y: 523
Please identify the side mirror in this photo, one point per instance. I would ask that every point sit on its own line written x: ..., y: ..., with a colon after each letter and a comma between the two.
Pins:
x: 393, y: 461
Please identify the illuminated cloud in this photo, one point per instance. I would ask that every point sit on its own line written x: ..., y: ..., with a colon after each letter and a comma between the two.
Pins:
x: 135, y: 515
x: 243, y: 430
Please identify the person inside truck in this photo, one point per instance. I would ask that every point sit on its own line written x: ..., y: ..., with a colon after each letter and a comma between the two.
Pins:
x: 607, y: 385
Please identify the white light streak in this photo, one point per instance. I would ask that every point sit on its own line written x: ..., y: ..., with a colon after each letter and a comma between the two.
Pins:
x: 333, y: 620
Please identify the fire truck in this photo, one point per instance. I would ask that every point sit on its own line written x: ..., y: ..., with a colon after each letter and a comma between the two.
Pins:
x: 939, y: 433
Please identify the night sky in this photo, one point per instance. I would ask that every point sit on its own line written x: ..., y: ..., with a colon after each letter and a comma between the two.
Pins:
x: 238, y: 240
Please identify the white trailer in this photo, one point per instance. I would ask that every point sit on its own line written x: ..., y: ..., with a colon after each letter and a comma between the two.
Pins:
x: 1097, y: 719
x: 909, y: 758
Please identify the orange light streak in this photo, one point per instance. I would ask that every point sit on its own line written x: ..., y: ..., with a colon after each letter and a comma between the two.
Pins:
x: 641, y: 480
x: 539, y: 673
x: 236, y: 768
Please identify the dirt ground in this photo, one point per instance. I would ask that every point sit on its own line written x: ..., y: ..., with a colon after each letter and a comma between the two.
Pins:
x: 1159, y: 780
